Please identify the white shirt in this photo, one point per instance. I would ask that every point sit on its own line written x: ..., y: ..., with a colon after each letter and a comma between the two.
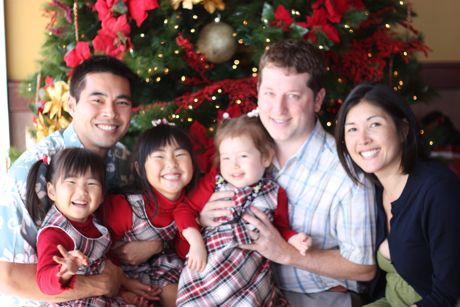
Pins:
x: 325, y: 204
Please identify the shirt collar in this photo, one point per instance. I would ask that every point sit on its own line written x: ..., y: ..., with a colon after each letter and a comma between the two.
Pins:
x: 310, y: 150
x: 166, y: 202
x: 71, y: 138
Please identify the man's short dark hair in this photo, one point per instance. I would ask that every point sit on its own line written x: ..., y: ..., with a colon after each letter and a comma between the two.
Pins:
x: 100, y: 64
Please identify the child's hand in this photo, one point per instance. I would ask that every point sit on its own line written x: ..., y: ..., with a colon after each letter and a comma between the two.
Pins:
x: 70, y: 262
x: 197, y: 257
x: 133, y: 299
x: 301, y: 242
x: 135, y: 292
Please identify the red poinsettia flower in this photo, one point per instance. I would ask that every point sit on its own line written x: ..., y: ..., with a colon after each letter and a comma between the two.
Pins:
x: 110, y: 43
x: 138, y: 9
x: 283, y: 18
x: 203, y: 145
x: 198, y: 134
x: 117, y: 25
x: 335, y: 9
x: 113, y: 8
x: 103, y: 8
x: 331, y: 32
x: 318, y: 22
x: 113, y: 37
x: 77, y: 55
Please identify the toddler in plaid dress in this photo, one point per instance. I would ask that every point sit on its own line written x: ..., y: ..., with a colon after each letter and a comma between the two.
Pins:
x: 70, y: 240
x: 218, y: 272
x: 165, y: 169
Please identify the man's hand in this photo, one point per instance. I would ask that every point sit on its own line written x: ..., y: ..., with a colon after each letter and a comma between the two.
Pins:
x: 216, y: 209
x: 266, y: 239
x: 137, y: 252
x: 329, y: 262
x: 19, y: 280
x: 109, y: 281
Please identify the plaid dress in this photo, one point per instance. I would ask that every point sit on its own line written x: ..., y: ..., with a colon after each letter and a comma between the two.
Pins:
x: 233, y: 276
x: 162, y: 269
x: 94, y: 248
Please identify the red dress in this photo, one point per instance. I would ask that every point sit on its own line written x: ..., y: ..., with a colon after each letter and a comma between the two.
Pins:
x: 133, y: 218
x: 90, y: 237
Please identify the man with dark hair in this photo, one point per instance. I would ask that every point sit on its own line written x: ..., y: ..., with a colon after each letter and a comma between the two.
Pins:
x: 323, y: 201
x: 101, y: 106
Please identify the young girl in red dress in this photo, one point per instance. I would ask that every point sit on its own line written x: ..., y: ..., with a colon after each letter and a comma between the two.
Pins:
x: 218, y: 272
x: 70, y: 240
x: 165, y: 170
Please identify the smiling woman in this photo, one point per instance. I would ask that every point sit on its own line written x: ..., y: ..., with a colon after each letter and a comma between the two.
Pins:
x: 373, y: 140
x: 418, y: 201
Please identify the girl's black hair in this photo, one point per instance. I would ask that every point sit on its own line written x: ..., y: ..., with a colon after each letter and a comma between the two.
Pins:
x: 65, y: 163
x: 152, y: 140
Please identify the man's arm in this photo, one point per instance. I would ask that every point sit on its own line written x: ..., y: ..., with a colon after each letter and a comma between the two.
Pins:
x: 329, y: 263
x: 18, y: 279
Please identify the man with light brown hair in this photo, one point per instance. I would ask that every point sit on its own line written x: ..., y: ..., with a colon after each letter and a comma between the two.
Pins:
x: 324, y: 203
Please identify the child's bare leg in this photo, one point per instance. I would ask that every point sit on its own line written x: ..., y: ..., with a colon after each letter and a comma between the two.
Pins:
x: 168, y: 295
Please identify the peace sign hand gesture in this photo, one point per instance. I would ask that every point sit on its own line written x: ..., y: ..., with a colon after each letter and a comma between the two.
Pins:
x: 70, y: 262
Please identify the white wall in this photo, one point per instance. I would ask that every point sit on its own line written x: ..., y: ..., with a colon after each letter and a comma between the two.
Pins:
x: 4, y: 121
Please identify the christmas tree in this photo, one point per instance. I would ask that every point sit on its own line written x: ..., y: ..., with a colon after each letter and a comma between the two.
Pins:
x: 198, y: 58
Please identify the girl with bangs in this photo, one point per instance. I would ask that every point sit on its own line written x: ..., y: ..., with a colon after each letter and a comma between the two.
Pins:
x: 165, y: 169
x: 70, y: 241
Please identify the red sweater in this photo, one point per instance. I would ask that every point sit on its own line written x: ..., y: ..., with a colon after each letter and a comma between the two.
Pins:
x: 47, y: 243
x: 187, y: 212
x: 117, y: 217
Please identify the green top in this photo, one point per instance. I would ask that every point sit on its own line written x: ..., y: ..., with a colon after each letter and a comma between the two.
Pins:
x: 398, y: 293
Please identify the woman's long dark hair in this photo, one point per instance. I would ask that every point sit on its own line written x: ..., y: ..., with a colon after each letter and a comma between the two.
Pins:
x: 65, y: 163
x: 384, y: 97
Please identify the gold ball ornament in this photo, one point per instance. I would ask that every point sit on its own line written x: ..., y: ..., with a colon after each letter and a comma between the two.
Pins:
x: 216, y: 42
